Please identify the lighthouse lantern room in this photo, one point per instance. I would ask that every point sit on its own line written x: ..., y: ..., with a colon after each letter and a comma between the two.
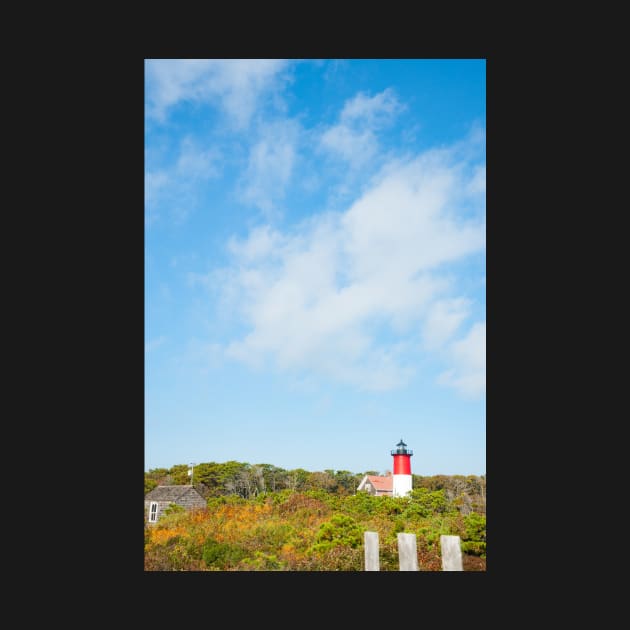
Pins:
x: 402, y: 470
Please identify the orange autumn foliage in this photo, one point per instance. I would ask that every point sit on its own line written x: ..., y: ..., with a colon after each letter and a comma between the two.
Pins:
x: 161, y: 536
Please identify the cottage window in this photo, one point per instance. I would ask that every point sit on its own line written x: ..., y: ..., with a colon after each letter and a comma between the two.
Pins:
x: 153, y: 512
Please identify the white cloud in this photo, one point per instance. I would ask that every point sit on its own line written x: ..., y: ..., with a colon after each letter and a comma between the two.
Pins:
x: 469, y: 355
x: 154, y: 181
x: 260, y: 243
x: 174, y: 188
x: 404, y: 224
x: 443, y: 319
x: 270, y: 166
x: 236, y: 86
x: 353, y: 138
x: 478, y: 181
x: 154, y: 184
x: 356, y: 147
x: 338, y: 294
x: 374, y: 111
x: 195, y: 163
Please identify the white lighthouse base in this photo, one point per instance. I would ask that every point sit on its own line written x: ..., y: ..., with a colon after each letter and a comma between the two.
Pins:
x: 402, y: 485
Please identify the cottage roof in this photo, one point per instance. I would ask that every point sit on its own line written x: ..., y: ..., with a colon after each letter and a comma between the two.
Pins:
x: 168, y: 493
x: 382, y: 484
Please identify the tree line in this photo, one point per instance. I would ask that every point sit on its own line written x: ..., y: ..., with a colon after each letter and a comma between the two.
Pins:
x: 466, y: 493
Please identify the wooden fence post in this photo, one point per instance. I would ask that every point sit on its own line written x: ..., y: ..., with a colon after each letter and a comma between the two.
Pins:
x: 450, y: 546
x: 451, y: 553
x: 371, y: 551
x: 407, y: 552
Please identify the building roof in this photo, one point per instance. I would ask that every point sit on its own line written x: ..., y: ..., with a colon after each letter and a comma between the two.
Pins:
x: 381, y: 484
x: 168, y: 493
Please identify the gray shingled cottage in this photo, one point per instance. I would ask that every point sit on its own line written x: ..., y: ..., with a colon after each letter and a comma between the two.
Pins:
x: 158, y: 499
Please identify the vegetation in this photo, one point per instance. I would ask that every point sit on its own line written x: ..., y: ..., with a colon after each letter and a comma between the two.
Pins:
x: 264, y: 518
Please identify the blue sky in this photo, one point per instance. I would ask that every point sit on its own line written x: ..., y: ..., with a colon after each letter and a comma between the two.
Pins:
x: 315, y: 280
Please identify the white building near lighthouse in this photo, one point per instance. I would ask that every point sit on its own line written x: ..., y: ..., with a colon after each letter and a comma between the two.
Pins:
x: 397, y: 485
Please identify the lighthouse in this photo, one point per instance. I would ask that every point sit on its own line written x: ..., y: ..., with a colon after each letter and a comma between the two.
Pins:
x: 402, y: 470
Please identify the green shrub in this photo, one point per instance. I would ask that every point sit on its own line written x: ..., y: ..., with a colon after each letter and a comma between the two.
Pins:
x: 426, y: 502
x: 361, y: 504
x: 340, y: 530
x: 261, y: 562
x: 222, y: 555
x: 474, y: 536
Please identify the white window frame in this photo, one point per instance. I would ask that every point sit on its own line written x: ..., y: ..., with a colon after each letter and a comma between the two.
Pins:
x: 153, y: 511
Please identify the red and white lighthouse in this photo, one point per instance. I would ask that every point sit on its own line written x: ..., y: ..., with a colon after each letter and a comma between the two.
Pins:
x: 402, y: 470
